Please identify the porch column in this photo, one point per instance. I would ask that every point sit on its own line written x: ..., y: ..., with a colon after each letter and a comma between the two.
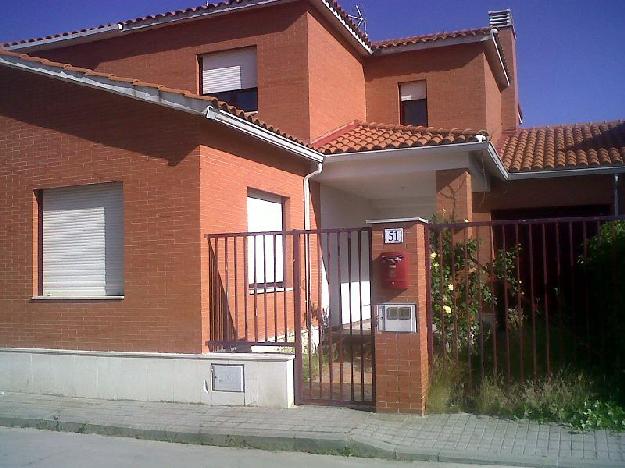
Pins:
x: 401, y: 359
x: 454, y: 195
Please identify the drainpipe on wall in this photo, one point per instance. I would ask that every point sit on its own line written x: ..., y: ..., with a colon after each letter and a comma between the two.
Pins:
x: 307, y: 224
x: 616, y: 195
x: 307, y: 194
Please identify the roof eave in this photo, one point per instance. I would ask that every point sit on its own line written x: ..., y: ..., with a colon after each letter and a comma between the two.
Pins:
x: 164, y: 98
x: 579, y: 171
x: 127, y: 27
x: 490, y: 39
x: 492, y: 159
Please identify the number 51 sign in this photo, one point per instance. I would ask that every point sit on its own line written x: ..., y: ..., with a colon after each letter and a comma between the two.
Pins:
x: 394, y: 236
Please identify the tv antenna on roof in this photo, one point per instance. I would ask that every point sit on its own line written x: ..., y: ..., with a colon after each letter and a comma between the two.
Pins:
x: 358, y: 17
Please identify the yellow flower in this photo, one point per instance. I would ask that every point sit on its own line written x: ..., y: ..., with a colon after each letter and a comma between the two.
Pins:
x: 433, y: 255
x: 450, y: 287
x: 447, y: 309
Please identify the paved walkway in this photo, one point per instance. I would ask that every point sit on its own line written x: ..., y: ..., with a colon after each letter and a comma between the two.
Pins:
x: 460, y: 438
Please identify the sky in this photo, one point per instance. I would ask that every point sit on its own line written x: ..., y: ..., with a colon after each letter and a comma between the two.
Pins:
x: 571, y: 53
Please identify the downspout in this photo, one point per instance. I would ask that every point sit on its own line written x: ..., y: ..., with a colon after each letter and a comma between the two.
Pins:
x: 616, y: 195
x: 307, y: 178
x: 307, y: 227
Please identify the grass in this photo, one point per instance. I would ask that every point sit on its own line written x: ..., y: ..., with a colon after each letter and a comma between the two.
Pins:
x: 568, y: 397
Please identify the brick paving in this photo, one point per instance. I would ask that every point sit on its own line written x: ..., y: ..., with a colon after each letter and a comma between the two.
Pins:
x: 451, y: 437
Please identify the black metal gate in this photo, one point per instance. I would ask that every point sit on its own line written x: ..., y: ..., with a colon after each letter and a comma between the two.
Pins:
x: 520, y: 299
x: 304, y: 291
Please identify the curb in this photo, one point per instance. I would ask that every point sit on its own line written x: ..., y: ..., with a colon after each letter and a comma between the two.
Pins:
x: 303, y: 442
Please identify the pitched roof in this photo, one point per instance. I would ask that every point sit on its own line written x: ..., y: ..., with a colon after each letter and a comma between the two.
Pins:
x: 150, y: 92
x: 361, y: 136
x: 207, y: 9
x: 583, y: 145
x: 426, y: 38
x: 143, y: 22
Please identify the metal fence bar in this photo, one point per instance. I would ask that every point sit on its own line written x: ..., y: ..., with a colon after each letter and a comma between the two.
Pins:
x: 506, y: 305
x: 297, y: 304
x: 546, y: 302
x: 319, y: 315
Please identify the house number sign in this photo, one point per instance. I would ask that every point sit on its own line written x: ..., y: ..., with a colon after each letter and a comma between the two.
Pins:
x: 394, y: 236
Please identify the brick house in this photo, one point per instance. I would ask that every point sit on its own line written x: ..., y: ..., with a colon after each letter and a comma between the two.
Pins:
x: 123, y: 145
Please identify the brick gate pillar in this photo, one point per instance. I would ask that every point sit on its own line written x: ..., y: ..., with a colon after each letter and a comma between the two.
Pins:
x: 401, y: 359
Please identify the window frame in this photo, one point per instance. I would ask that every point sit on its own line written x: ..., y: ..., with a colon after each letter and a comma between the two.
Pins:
x: 200, y: 70
x: 267, y: 286
x: 402, y: 111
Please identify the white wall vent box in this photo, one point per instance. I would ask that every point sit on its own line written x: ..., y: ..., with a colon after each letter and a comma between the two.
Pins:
x: 228, y: 378
x: 397, y: 318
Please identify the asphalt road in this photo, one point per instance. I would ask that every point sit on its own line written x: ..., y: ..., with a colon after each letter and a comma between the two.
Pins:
x: 38, y: 449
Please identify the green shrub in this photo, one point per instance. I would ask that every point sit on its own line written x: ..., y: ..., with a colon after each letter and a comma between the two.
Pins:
x: 567, y: 397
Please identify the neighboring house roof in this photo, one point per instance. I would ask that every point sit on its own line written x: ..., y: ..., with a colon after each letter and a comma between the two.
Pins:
x: 577, y: 146
x: 208, y: 106
x: 427, y: 38
x: 361, y: 136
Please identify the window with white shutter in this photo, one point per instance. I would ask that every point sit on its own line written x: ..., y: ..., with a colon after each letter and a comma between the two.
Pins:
x: 265, y: 257
x: 231, y: 76
x: 83, y: 241
x: 413, y: 101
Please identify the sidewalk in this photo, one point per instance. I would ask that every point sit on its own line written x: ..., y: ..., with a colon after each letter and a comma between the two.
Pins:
x: 458, y: 438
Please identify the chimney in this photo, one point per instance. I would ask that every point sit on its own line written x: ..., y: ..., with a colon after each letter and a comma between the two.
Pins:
x: 501, y: 20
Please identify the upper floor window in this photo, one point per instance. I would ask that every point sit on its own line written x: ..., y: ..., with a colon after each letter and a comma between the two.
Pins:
x: 414, y: 104
x: 232, y: 77
x: 83, y: 241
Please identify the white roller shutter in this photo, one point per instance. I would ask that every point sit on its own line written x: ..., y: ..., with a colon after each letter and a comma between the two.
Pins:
x: 83, y: 241
x: 265, y: 214
x: 229, y: 70
x: 413, y: 91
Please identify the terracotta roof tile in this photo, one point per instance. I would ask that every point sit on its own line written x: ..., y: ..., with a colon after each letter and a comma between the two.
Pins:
x: 564, y: 147
x: 250, y: 117
x: 334, y: 4
x: 361, y: 136
x: 425, y: 38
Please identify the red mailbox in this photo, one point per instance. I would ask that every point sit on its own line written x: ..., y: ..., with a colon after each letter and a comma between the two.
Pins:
x: 394, y: 270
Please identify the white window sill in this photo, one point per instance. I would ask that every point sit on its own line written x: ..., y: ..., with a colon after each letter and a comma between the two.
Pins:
x: 78, y: 298
x: 268, y: 290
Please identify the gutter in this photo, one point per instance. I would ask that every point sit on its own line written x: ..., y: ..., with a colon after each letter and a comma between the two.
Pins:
x: 164, y: 98
x: 482, y: 145
x: 242, y: 125
x: 566, y: 172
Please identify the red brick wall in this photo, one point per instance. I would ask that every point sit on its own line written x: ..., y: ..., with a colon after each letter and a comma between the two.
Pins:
x: 224, y: 183
x: 168, y: 56
x: 455, y: 85
x: 180, y: 180
x: 510, y: 95
x: 336, y: 78
x: 454, y: 195
x: 55, y: 134
x: 492, y: 95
